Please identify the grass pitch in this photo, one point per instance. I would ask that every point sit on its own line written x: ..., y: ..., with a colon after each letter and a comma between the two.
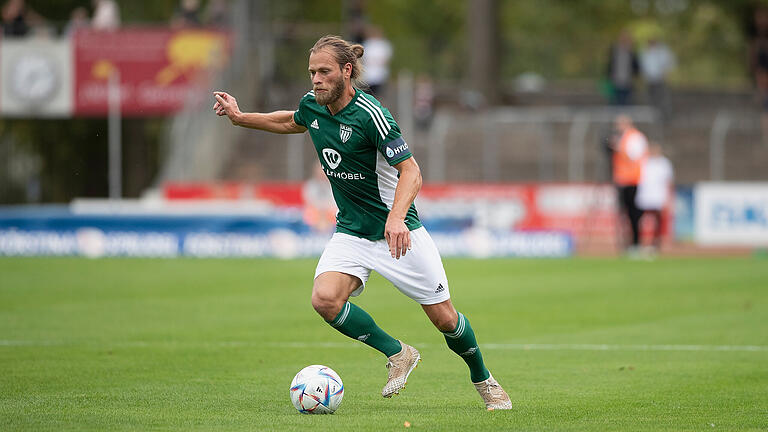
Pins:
x: 583, y: 344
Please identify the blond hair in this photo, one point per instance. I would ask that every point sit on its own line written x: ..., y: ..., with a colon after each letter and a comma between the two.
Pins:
x: 343, y: 52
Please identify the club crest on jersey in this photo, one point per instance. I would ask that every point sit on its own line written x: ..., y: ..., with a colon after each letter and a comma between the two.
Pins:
x: 332, y: 157
x: 345, y: 132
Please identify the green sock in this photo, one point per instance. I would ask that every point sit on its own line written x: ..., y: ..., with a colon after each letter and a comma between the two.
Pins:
x: 462, y: 341
x: 357, y: 324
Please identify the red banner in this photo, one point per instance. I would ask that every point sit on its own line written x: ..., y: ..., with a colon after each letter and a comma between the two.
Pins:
x: 157, y: 68
x: 586, y: 211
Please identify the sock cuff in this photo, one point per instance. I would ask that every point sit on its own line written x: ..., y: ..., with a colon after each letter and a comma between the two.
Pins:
x: 461, y: 324
x: 342, y: 316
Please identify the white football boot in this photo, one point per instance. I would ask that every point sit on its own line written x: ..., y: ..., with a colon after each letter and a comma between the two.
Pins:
x: 493, y: 395
x: 400, y: 366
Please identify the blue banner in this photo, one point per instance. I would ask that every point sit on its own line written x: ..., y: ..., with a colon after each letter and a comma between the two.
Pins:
x: 58, y: 231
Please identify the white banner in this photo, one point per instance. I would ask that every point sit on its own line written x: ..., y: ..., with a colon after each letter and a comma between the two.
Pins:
x: 731, y: 214
x: 36, y: 78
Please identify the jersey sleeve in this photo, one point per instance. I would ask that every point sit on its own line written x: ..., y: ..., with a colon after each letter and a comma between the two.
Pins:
x: 298, y: 115
x: 297, y: 118
x: 384, y: 133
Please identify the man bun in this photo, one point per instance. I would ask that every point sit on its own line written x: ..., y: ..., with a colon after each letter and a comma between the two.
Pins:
x: 358, y: 50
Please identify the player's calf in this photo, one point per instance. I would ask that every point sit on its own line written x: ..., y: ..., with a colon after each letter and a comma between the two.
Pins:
x: 461, y: 340
x: 354, y: 322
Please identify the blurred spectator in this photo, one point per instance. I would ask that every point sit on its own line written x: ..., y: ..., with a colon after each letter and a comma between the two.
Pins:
x: 656, y: 61
x: 356, y: 21
x: 423, y: 104
x: 78, y: 19
x: 187, y: 14
x: 106, y: 15
x: 622, y: 69
x: 378, y: 52
x: 18, y: 18
x: 758, y: 60
x: 630, y: 149
x: 217, y: 13
x: 319, y: 206
x: 654, y: 191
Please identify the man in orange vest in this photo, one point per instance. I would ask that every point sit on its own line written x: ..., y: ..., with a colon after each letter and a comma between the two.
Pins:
x: 630, y: 149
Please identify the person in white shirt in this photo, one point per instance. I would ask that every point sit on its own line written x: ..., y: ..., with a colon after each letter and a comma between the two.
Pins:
x: 106, y: 15
x: 654, y: 192
x: 655, y: 63
x: 378, y: 53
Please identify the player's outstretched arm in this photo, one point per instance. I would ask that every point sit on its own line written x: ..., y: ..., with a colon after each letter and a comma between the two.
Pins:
x: 277, y: 122
x: 395, y: 231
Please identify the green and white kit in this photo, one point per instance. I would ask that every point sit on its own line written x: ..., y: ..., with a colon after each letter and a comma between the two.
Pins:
x: 358, y: 147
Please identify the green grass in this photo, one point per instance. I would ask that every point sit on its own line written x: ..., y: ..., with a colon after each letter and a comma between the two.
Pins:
x: 124, y: 344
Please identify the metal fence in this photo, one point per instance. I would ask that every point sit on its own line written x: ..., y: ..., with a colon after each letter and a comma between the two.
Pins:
x: 526, y: 144
x: 503, y: 144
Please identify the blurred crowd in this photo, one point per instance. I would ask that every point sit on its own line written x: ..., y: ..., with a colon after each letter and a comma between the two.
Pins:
x: 652, y: 64
x: 20, y: 20
x: 630, y: 64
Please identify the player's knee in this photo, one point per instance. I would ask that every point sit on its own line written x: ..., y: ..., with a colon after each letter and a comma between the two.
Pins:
x: 446, y: 322
x: 443, y: 316
x: 327, y: 306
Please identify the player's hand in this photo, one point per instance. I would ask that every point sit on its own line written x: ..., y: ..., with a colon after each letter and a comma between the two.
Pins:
x: 226, y: 105
x: 398, y: 237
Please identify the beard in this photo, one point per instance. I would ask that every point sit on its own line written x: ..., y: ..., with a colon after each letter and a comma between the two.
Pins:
x: 331, y: 95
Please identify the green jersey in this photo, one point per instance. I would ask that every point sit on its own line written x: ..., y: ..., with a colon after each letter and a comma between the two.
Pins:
x: 358, y: 147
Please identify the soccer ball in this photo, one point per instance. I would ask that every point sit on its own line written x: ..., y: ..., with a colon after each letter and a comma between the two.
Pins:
x: 316, y: 389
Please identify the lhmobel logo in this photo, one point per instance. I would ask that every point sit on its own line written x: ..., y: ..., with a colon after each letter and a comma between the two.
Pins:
x: 332, y: 157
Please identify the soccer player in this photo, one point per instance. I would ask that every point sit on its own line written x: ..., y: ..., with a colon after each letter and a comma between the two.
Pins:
x: 375, y: 179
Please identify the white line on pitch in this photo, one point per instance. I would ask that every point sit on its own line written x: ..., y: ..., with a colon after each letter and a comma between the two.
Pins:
x: 350, y: 344
x: 555, y: 347
x: 604, y: 347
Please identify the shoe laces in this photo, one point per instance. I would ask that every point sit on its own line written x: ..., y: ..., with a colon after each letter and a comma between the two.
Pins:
x: 393, y: 369
x: 493, y: 389
x: 390, y: 363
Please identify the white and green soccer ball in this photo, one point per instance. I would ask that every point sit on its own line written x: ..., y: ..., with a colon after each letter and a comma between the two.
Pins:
x: 317, y: 389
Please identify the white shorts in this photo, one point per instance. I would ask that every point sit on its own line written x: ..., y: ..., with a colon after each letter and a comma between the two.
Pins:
x: 419, y: 274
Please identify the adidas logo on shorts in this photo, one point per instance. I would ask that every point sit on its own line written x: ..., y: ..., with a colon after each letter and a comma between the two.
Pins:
x: 439, y: 288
